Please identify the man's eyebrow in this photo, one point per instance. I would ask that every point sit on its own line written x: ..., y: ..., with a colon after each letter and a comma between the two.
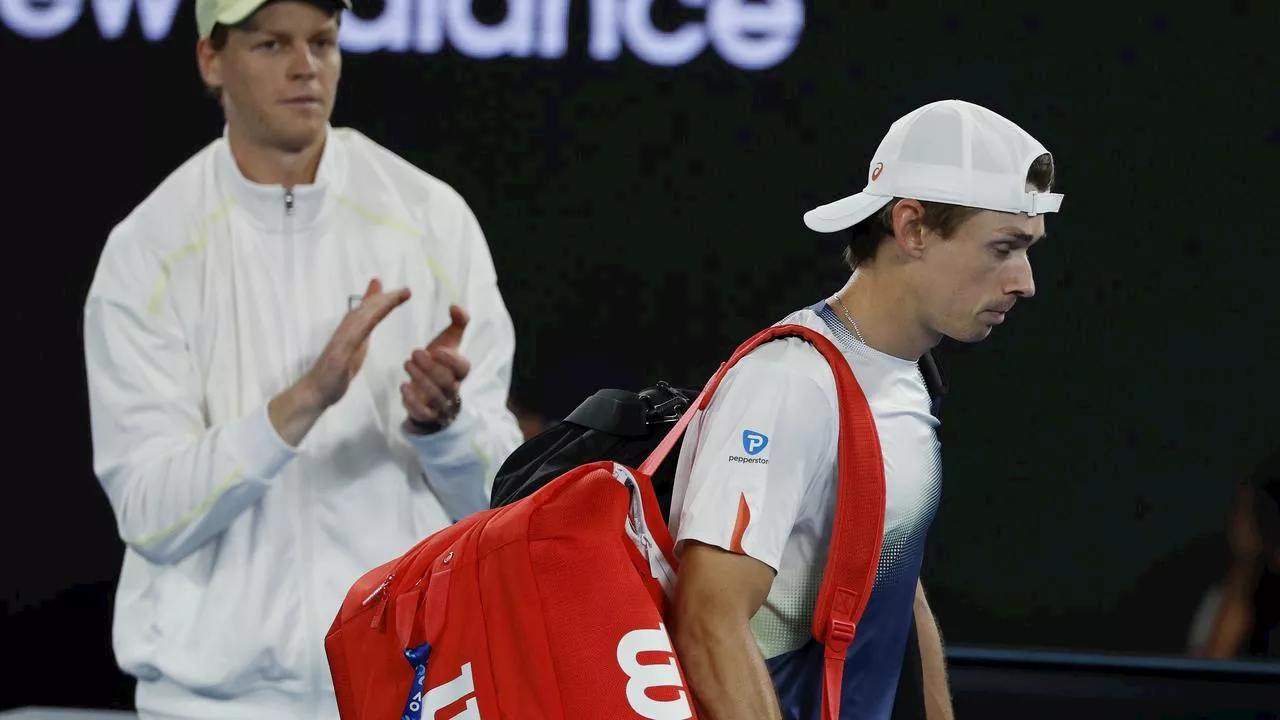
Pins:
x: 254, y: 27
x: 1019, y: 236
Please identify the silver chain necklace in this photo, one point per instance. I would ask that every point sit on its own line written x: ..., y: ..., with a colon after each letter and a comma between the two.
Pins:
x: 849, y: 317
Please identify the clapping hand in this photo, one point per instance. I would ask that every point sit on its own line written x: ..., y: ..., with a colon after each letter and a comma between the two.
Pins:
x: 435, y: 374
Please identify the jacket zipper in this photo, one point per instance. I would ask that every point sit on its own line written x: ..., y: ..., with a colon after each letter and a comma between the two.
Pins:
x: 307, y: 534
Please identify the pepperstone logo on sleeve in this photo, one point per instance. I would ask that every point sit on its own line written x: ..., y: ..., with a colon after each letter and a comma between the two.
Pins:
x: 747, y: 34
x: 753, y: 443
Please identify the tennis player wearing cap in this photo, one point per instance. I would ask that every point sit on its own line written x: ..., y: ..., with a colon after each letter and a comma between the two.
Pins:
x: 298, y: 365
x: 937, y: 242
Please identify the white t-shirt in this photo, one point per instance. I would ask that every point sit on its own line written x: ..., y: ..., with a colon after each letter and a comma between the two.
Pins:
x: 757, y: 475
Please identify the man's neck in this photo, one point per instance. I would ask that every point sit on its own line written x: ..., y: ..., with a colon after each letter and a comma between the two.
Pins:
x: 267, y: 165
x: 885, y: 315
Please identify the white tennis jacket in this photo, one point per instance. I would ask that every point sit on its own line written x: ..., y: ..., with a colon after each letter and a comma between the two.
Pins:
x: 210, y: 298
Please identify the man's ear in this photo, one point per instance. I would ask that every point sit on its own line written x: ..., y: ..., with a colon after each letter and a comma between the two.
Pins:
x: 908, y: 232
x: 210, y: 62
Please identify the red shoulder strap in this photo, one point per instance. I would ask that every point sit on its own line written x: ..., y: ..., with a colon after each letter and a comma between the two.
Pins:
x: 859, y: 525
x: 857, y: 532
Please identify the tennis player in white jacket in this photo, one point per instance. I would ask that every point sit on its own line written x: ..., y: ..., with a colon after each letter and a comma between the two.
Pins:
x: 298, y: 366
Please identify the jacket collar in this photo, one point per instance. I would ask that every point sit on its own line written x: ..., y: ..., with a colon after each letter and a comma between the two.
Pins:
x: 275, y: 207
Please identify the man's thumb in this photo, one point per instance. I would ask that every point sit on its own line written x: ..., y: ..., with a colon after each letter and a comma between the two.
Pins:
x: 451, y: 337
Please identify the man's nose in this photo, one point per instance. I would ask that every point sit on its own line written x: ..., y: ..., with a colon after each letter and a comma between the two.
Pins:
x: 1022, y: 281
x: 303, y: 61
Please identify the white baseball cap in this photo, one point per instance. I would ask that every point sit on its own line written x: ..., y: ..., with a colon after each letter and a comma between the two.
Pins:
x: 949, y: 151
x: 228, y: 12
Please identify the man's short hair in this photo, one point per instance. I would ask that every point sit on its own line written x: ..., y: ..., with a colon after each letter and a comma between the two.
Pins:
x: 942, y: 218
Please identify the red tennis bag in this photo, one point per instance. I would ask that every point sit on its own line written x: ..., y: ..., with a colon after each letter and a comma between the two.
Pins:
x: 553, y: 607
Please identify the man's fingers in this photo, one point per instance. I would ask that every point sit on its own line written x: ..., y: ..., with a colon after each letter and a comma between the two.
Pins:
x: 375, y: 287
x: 459, y: 366
x: 432, y: 391
x: 414, y: 405
x: 439, y: 374
x: 458, y: 317
x: 380, y: 305
x: 451, y: 337
x: 372, y: 311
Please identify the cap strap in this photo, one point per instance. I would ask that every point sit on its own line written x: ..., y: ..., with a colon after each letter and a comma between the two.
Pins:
x: 1036, y: 202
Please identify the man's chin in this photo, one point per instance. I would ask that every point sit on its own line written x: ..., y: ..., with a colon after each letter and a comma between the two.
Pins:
x: 297, y: 137
x: 971, y: 335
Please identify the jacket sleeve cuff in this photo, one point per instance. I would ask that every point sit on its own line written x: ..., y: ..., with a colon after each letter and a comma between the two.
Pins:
x: 455, y: 465
x: 448, y: 447
x: 258, y: 448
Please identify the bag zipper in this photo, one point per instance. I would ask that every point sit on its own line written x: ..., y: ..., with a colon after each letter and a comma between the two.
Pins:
x: 378, y: 590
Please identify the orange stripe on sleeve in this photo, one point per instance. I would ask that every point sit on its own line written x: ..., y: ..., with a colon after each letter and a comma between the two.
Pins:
x: 740, y: 525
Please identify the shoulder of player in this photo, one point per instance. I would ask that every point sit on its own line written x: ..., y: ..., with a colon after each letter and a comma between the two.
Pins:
x: 375, y: 168
x: 787, y: 361
x: 170, y: 216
